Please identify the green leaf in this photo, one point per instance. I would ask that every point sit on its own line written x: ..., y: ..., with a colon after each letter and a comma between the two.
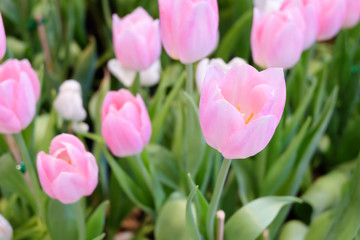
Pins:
x: 245, y: 176
x: 61, y: 220
x: 96, y: 222
x: 13, y: 180
x: 100, y: 237
x: 252, y: 219
x: 294, y: 230
x: 190, y: 219
x: 320, y: 226
x: 171, y: 222
x: 85, y: 69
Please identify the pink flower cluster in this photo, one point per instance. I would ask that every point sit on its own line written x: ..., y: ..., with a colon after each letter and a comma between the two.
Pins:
x: 281, y: 32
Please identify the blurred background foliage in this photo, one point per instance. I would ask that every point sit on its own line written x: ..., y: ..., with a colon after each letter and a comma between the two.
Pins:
x: 313, y: 154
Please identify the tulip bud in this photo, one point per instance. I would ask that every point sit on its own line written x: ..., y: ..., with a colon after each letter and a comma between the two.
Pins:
x: 352, y: 15
x: 136, y: 40
x: 189, y: 28
x: 148, y: 77
x: 277, y: 38
x: 331, y: 18
x: 19, y: 92
x: 240, y: 110
x: 68, y: 172
x: 68, y: 104
x: 2, y: 39
x: 126, y: 125
x: 204, y: 64
x: 6, y: 231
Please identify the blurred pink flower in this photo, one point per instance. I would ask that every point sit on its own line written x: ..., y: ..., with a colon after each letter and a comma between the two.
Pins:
x: 240, y: 110
x: 189, y: 28
x: 332, y: 15
x: 310, y: 10
x: 136, y: 39
x: 126, y: 125
x: 2, y: 39
x: 19, y: 92
x: 277, y: 38
x: 352, y: 15
x: 69, y: 172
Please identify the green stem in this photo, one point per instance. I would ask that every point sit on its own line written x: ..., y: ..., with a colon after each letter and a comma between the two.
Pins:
x: 32, y: 173
x: 190, y: 79
x: 210, y: 217
x: 78, y: 209
x: 145, y: 174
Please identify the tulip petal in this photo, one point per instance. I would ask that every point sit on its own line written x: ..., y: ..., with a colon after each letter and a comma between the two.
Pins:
x: 130, y: 112
x: 9, y: 122
x: 61, y: 140
x: 121, y: 136
x: 117, y: 99
x: 69, y: 187
x: 92, y: 174
x: 125, y: 76
x: 2, y: 39
x: 251, y: 139
x: 145, y: 121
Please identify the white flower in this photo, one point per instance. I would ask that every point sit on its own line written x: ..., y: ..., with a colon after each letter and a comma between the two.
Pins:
x: 80, y: 127
x: 268, y: 6
x: 148, y: 77
x: 6, y: 231
x: 217, y: 62
x: 68, y: 104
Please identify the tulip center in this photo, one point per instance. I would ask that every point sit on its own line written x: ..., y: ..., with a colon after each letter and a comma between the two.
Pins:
x: 65, y: 157
x: 247, y: 119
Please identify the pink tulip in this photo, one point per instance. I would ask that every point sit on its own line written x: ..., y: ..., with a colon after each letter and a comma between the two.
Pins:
x: 136, y: 40
x: 332, y: 17
x: 189, y: 28
x: 2, y: 39
x: 69, y: 172
x: 310, y: 10
x: 240, y: 110
x: 126, y: 125
x: 19, y: 92
x: 277, y: 38
x: 352, y: 15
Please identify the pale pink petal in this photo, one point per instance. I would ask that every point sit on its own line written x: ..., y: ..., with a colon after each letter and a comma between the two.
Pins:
x: 2, y: 39
x: 145, y: 128
x: 92, y: 174
x: 69, y: 187
x: 60, y: 141
x: 9, y: 122
x: 130, y: 112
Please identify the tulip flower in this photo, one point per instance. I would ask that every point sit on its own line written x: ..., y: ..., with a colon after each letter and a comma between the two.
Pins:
x: 331, y: 18
x: 148, y: 77
x: 352, y: 15
x: 204, y: 64
x: 126, y: 125
x: 2, y: 39
x: 277, y: 38
x: 189, y: 28
x: 6, y: 231
x: 136, y: 39
x: 68, y: 104
x: 240, y: 110
x: 68, y: 172
x: 310, y: 10
x: 19, y: 92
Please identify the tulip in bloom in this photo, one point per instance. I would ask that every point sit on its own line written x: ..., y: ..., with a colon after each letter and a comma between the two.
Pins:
x: 68, y: 172
x: 189, y: 28
x: 68, y: 104
x: 310, y: 10
x: 126, y: 125
x: 204, y: 64
x: 277, y: 38
x: 331, y: 18
x: 19, y: 92
x: 6, y: 231
x: 240, y: 110
x: 148, y: 77
x: 352, y: 15
x: 2, y: 39
x: 136, y: 39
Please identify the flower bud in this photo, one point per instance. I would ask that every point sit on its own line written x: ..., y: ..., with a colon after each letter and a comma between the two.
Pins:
x: 6, y: 231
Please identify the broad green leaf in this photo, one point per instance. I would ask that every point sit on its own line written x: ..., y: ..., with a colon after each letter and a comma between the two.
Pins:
x: 61, y: 219
x: 96, y: 222
x: 191, y: 224
x: 171, y: 222
x: 13, y: 180
x: 320, y: 226
x: 100, y: 237
x: 252, y: 219
x: 294, y: 230
x: 245, y: 176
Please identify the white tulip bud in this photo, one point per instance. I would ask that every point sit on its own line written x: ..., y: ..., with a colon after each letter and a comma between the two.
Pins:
x: 204, y: 64
x: 80, y: 127
x: 268, y: 6
x: 6, y: 231
x: 68, y: 104
x: 148, y: 77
